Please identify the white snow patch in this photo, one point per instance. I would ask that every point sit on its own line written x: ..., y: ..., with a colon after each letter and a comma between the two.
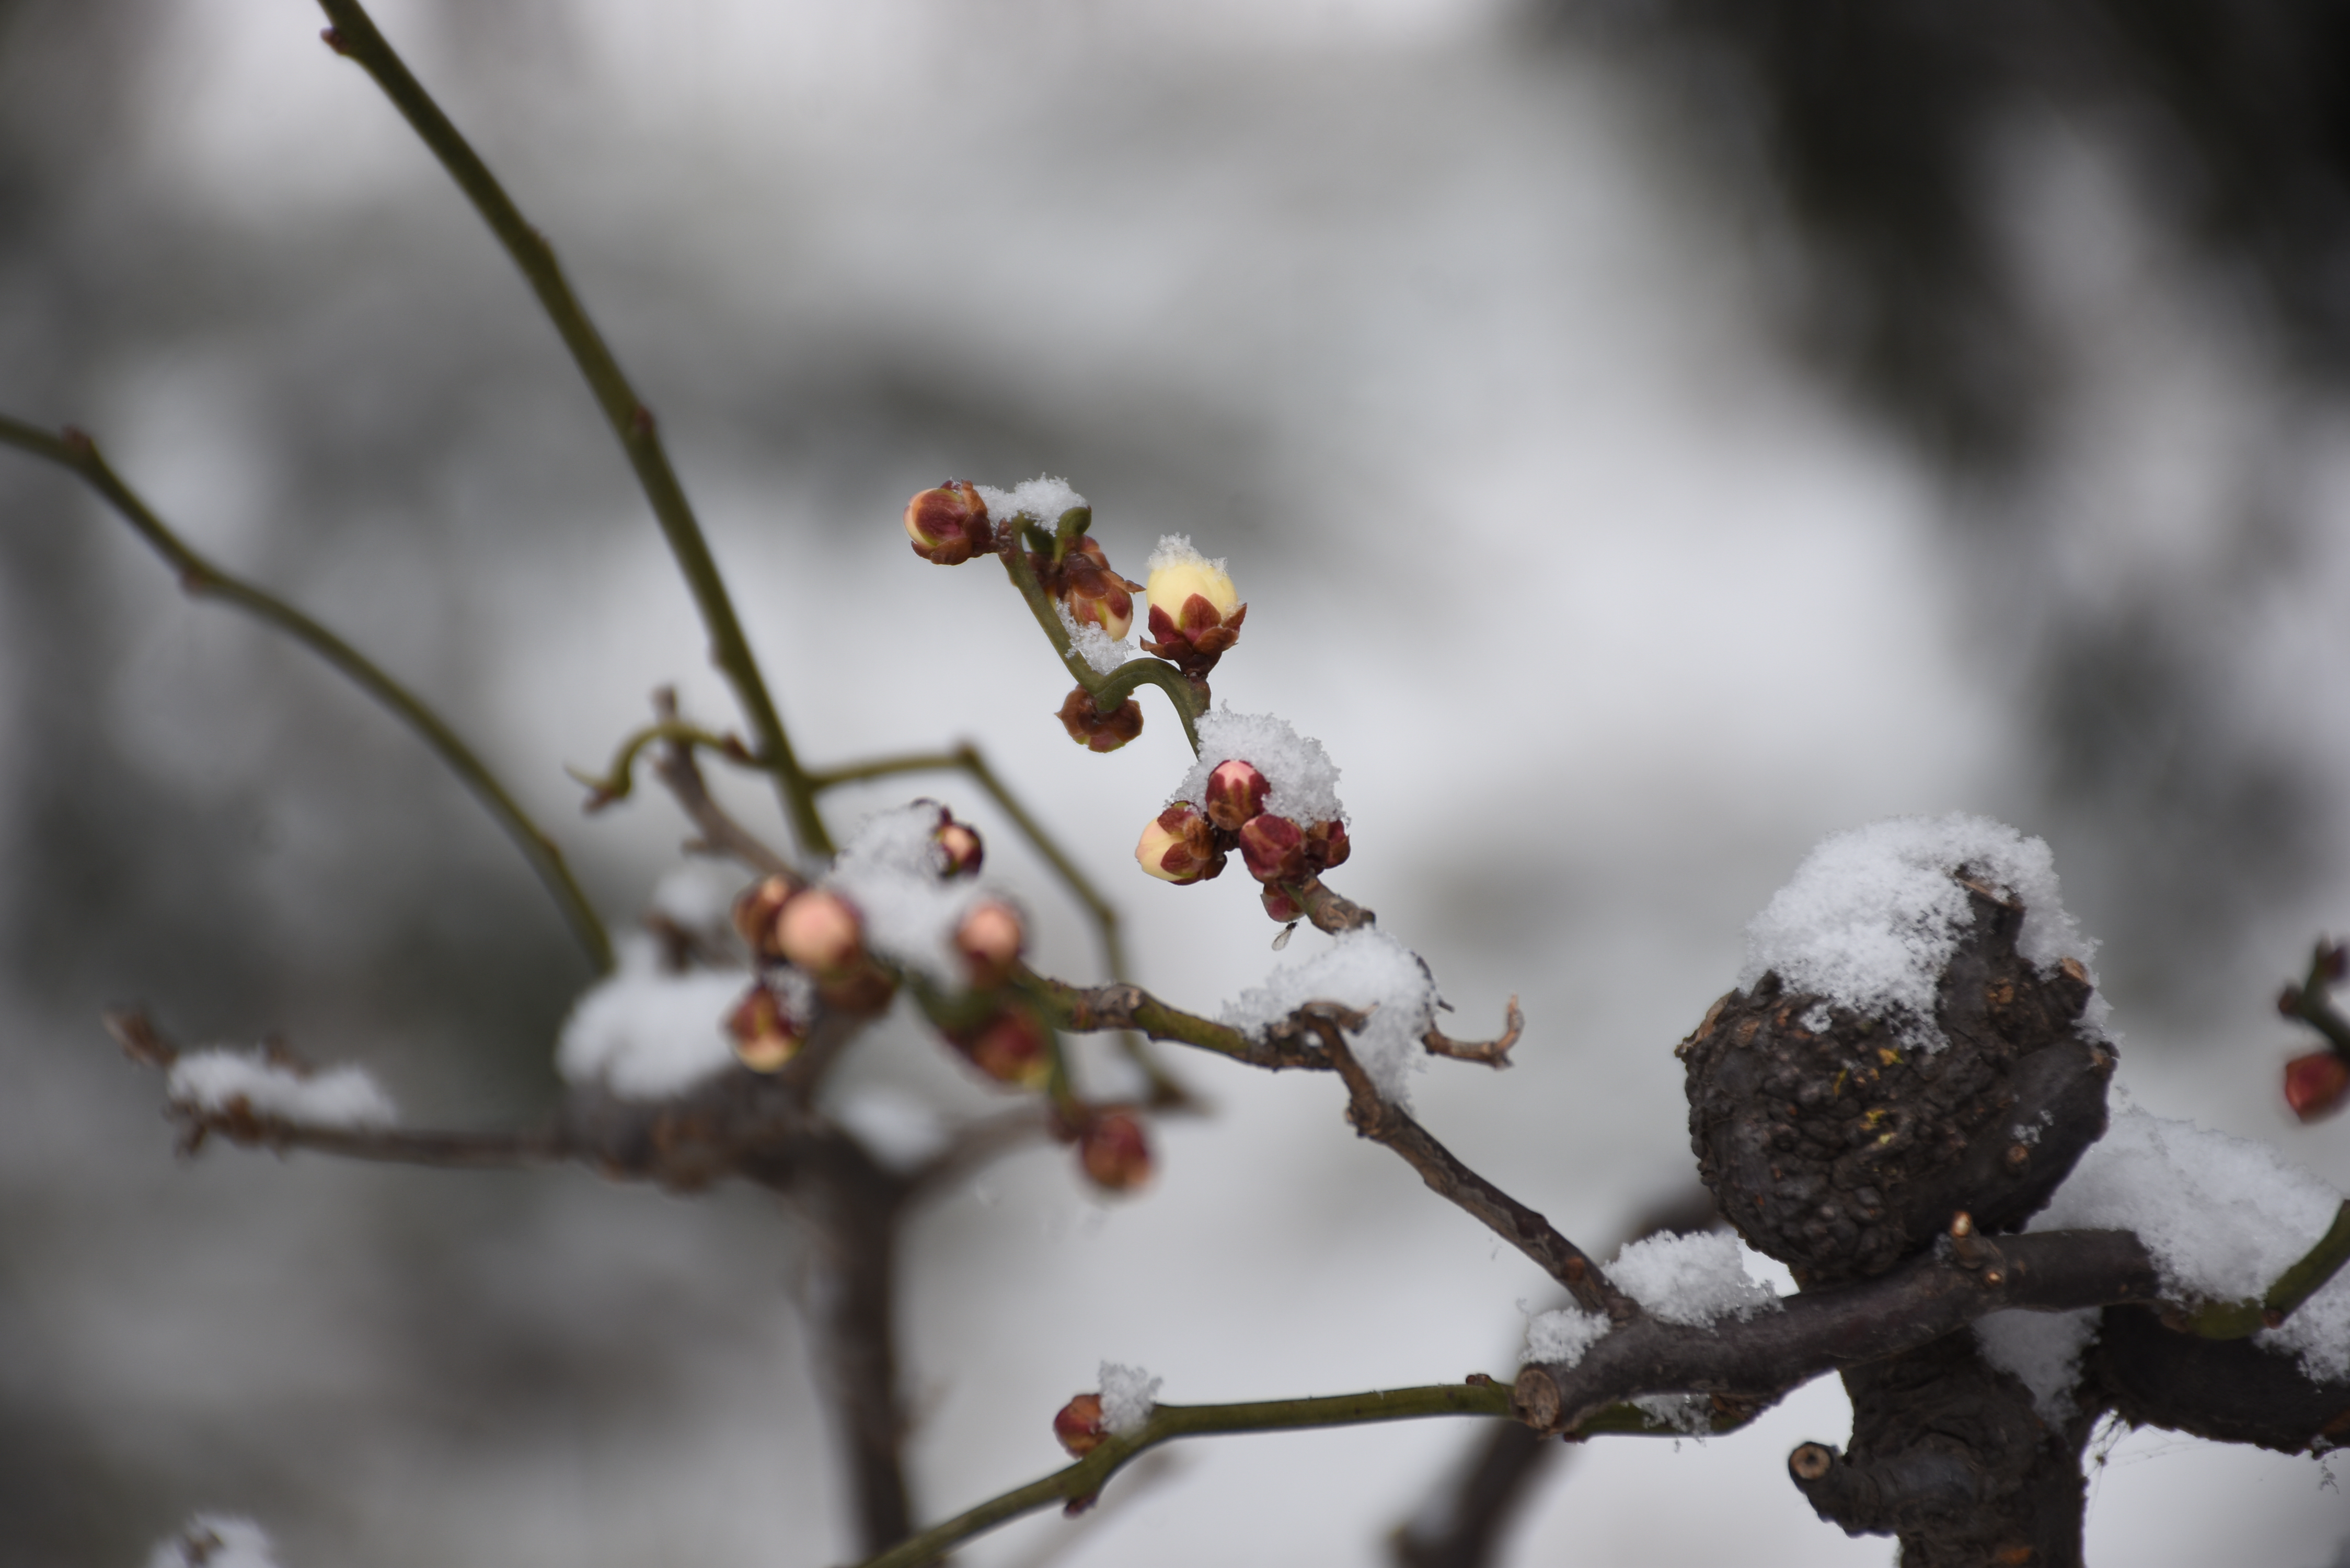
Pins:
x: 2222, y: 1217
x: 698, y: 893
x: 2042, y: 1351
x: 1367, y: 970
x: 1690, y: 1413
x: 1305, y: 781
x: 1564, y: 1336
x: 1696, y: 1279
x: 1872, y: 916
x: 215, y: 1541
x: 646, y: 1034
x: 1128, y: 1394
x: 215, y: 1079
x: 1094, y: 645
x: 1177, y: 550
x: 895, y: 1127
x: 893, y: 870
x: 1042, y: 498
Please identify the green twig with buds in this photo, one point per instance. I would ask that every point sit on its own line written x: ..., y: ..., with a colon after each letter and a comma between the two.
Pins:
x: 354, y: 35
x: 1113, y: 688
x: 2312, y: 1001
x: 200, y: 578
x: 1079, y: 1484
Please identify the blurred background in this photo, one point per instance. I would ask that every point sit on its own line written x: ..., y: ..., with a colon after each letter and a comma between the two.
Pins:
x: 1650, y: 435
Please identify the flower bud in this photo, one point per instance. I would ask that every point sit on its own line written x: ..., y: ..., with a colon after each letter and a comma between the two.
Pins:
x: 1095, y: 595
x: 765, y: 1032
x: 1274, y: 847
x: 949, y: 525
x: 1078, y: 1426
x: 1089, y: 726
x: 1235, y: 792
x: 819, y: 932
x: 990, y: 939
x: 755, y: 916
x: 2315, y: 1085
x: 1195, y: 615
x: 1011, y: 1048
x: 1114, y: 1152
x: 961, y: 847
x: 1281, y: 906
x: 1179, y: 847
x: 1326, y: 845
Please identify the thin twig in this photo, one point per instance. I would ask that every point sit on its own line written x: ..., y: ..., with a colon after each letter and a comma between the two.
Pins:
x: 720, y: 834
x: 1492, y: 1053
x: 1380, y: 1120
x: 354, y: 35
x: 1083, y: 1009
x: 202, y: 579
x: 618, y: 781
x: 1107, y: 690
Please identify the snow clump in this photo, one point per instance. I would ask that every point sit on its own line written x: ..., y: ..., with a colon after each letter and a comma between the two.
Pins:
x: 1694, y: 1279
x: 1872, y: 916
x: 1367, y: 970
x: 215, y: 1541
x: 645, y: 1033
x: 697, y: 896
x: 1128, y: 1394
x: 1305, y: 781
x: 892, y: 870
x: 2042, y: 1350
x: 1093, y: 644
x: 1561, y: 1337
x: 214, y: 1081
x: 1043, y: 498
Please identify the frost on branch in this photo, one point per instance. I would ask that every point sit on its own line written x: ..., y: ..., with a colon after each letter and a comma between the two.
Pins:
x: 1695, y: 1280
x: 223, y: 1082
x: 215, y: 1541
x: 1369, y: 971
x: 2041, y: 1350
x: 644, y: 1033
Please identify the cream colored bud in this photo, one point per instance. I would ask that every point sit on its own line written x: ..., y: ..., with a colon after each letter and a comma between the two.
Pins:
x: 820, y: 932
x: 1177, y: 574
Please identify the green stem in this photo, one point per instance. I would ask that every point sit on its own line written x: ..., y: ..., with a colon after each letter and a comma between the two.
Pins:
x: 618, y: 781
x: 1107, y: 690
x: 1082, y: 1482
x: 354, y: 33
x: 2238, y: 1320
x: 1068, y: 1007
x: 199, y: 578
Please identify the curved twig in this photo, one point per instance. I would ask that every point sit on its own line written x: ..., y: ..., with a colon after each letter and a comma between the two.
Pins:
x: 1494, y: 1054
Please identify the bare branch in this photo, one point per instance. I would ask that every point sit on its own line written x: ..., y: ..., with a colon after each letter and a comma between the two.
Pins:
x: 682, y: 776
x: 1492, y: 1053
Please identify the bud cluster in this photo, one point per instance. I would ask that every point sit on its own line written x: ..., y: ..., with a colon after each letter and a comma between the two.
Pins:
x: 1189, y: 843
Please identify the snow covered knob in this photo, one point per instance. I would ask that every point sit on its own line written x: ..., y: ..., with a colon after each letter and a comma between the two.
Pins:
x: 1180, y: 846
x: 1195, y: 615
x: 1274, y: 847
x: 949, y: 525
x: 765, y: 1032
x: 990, y: 939
x: 1235, y: 792
x: 1114, y: 1151
x: 2314, y: 1085
x: 819, y: 932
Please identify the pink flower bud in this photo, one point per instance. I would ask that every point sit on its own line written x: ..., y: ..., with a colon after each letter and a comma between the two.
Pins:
x: 1114, y: 1151
x: 1274, y: 847
x: 990, y: 939
x: 1078, y: 1425
x: 1179, y: 847
x: 1281, y: 906
x: 962, y: 848
x: 949, y: 525
x: 2315, y: 1085
x: 1011, y: 1048
x: 819, y: 932
x: 765, y: 1032
x: 1236, y: 792
x: 755, y: 916
x: 1326, y: 845
x: 1090, y: 727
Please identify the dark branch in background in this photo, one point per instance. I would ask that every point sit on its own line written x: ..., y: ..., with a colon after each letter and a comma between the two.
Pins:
x: 199, y: 578
x: 354, y: 35
x: 720, y: 834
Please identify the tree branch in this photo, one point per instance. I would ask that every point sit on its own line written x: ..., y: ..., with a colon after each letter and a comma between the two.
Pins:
x: 354, y: 35
x: 1107, y: 690
x: 682, y: 776
x: 200, y: 578
x: 1494, y: 1054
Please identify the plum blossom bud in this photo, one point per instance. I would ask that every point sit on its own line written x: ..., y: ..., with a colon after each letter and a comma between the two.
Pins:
x: 755, y: 913
x: 1180, y: 846
x: 1235, y: 792
x: 1195, y: 615
x: 1274, y: 847
x: 990, y: 939
x: 1090, y: 727
x: 1281, y: 906
x: 949, y: 525
x: 2315, y: 1084
x: 961, y: 847
x: 1078, y: 1425
x: 819, y: 932
x: 1011, y: 1048
x: 1114, y: 1151
x: 765, y: 1033
x: 1326, y: 845
x: 1095, y: 595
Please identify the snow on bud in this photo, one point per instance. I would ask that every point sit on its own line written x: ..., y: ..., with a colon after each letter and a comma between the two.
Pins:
x: 949, y: 525
x: 1011, y: 1048
x: 1090, y: 727
x: 819, y: 932
x: 755, y: 916
x: 990, y: 939
x: 1274, y: 847
x: 2314, y: 1085
x: 1114, y: 1151
x: 765, y: 1032
x: 1235, y: 792
x: 961, y: 847
x: 1078, y: 1425
x: 1180, y: 846
x: 1195, y: 615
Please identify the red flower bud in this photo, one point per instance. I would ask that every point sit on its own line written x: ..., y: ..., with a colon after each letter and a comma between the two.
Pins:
x: 1089, y: 726
x: 990, y: 939
x: 1011, y: 1048
x: 1236, y: 792
x: 1179, y: 847
x: 2315, y: 1085
x: 1274, y: 847
x: 949, y: 525
x: 755, y: 916
x: 1078, y: 1426
x: 766, y: 1035
x: 1281, y: 906
x: 1114, y: 1152
x: 961, y: 847
x: 819, y: 932
x: 1326, y: 845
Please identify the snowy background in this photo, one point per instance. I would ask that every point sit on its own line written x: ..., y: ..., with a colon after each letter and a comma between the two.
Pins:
x: 1607, y: 601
